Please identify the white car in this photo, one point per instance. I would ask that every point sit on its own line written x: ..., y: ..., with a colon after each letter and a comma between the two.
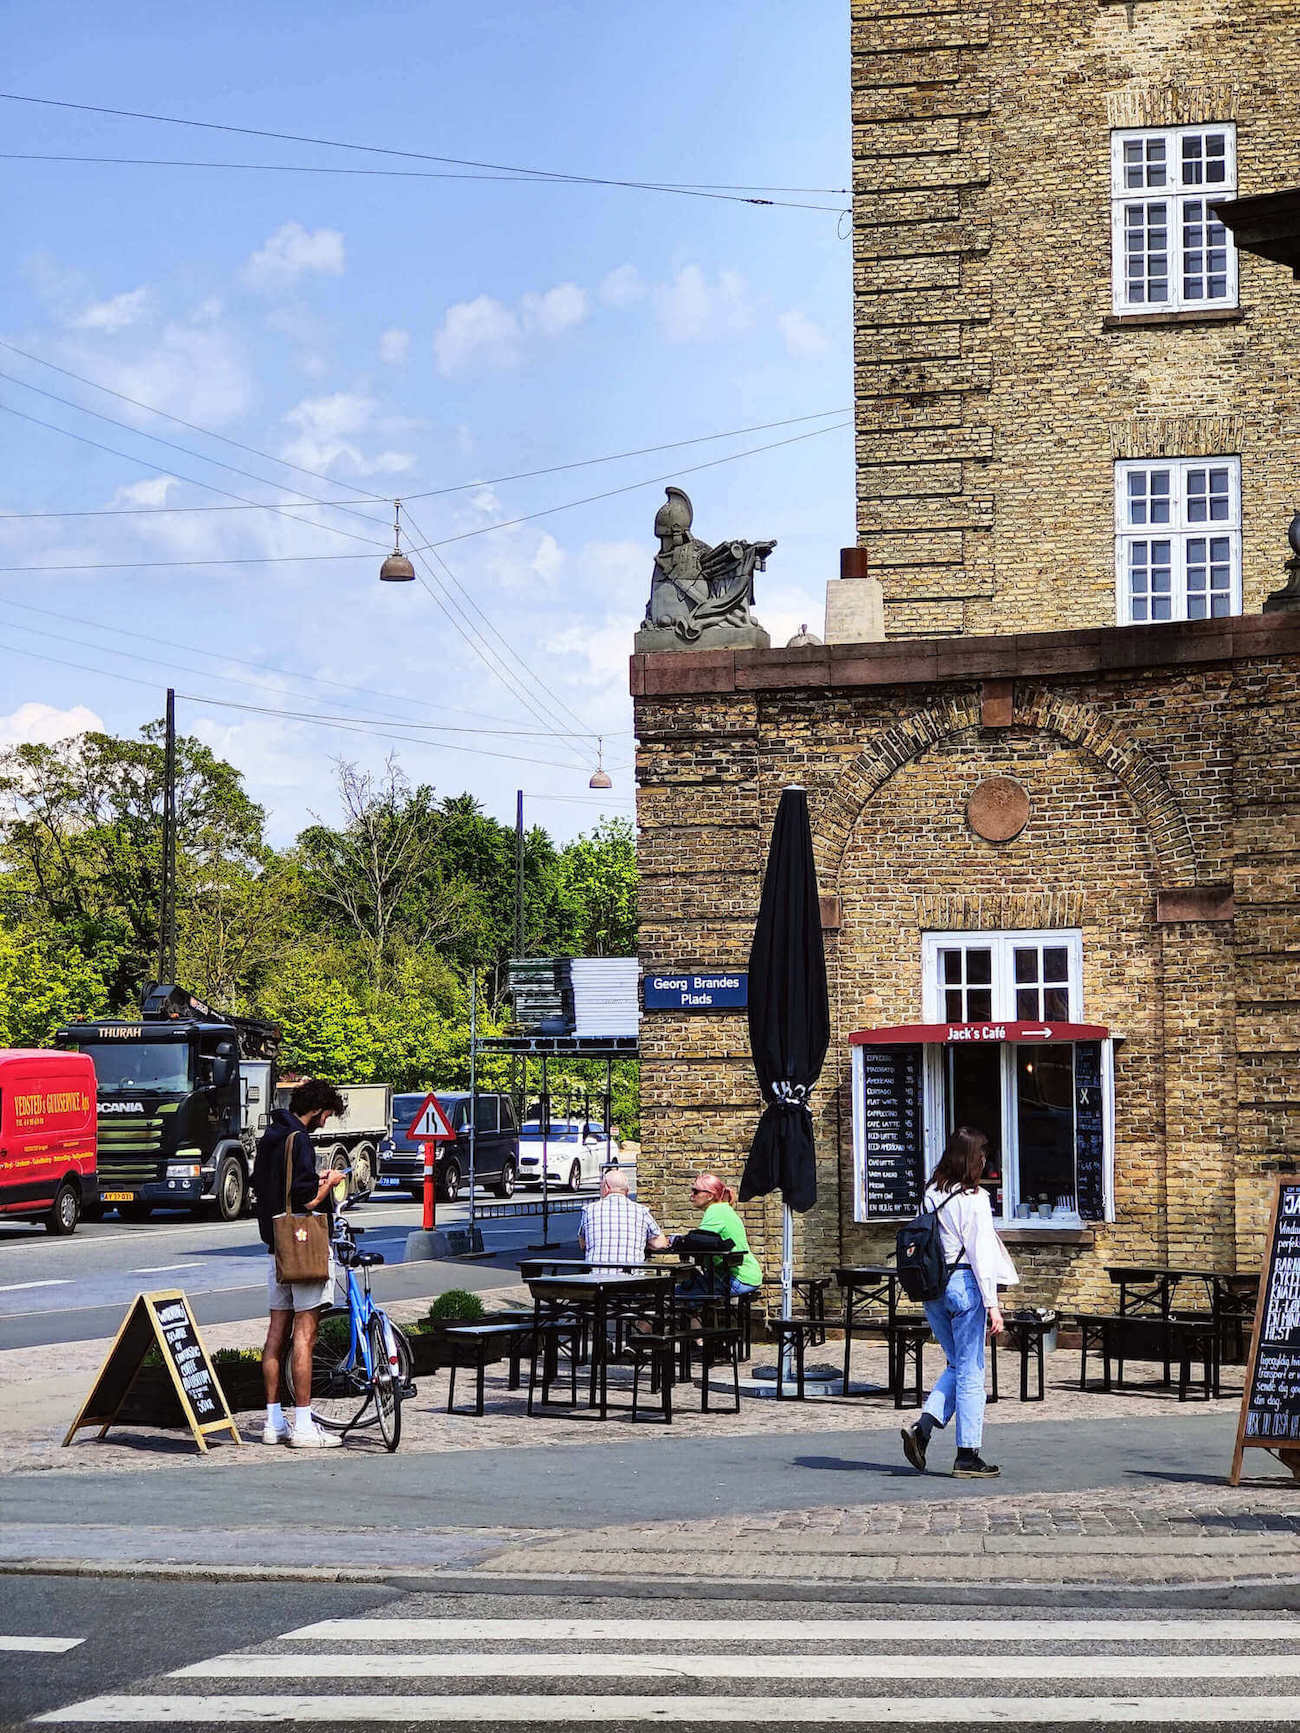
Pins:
x: 576, y: 1154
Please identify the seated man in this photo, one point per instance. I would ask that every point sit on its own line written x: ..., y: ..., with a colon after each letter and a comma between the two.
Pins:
x: 615, y: 1229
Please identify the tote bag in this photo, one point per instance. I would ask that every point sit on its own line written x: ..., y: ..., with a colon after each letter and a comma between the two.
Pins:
x: 302, y: 1242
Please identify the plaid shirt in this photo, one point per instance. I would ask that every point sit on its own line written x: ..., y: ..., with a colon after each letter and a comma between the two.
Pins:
x: 615, y: 1230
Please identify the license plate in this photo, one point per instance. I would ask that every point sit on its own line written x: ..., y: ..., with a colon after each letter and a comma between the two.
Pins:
x: 388, y: 1180
x: 117, y: 1197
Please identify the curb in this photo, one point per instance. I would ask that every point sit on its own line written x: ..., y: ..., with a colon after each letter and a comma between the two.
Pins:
x: 916, y: 1590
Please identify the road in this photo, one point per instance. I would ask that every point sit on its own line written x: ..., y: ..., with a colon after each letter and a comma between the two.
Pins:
x: 74, y: 1289
x: 323, y: 1655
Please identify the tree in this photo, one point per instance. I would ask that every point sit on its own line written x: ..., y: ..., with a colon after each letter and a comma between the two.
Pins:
x: 366, y: 874
x: 41, y: 989
x: 597, y: 876
x: 81, y: 835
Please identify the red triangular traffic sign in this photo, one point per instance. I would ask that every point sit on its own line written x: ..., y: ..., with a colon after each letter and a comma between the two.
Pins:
x: 431, y: 1124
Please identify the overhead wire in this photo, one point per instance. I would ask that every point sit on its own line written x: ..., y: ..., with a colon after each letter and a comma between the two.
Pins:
x: 702, y: 190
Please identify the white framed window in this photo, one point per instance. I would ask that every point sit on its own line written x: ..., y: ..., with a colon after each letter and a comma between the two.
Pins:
x: 1011, y: 977
x: 1177, y: 539
x: 1171, y: 253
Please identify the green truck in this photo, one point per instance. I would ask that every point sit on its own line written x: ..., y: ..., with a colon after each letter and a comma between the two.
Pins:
x: 182, y: 1095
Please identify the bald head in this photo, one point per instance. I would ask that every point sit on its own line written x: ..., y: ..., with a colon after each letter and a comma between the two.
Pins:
x: 614, y: 1180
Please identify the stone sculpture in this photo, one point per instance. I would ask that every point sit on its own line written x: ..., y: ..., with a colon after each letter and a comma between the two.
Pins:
x: 700, y: 596
x: 1287, y: 599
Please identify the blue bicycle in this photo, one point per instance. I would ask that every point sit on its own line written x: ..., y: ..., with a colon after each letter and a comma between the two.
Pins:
x: 360, y: 1382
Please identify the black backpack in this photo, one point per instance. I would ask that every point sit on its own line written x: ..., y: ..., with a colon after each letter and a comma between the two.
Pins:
x: 923, y: 1270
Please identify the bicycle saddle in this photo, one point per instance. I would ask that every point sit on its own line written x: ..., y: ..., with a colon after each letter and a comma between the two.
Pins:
x: 364, y: 1260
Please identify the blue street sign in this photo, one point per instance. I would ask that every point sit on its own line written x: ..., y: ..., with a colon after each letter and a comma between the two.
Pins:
x: 716, y: 992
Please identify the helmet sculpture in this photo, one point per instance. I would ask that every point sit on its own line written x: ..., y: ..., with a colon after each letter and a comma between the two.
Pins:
x: 675, y: 514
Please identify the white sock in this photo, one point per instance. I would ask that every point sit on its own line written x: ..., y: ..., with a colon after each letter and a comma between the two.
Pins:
x: 274, y: 1415
x: 302, y: 1419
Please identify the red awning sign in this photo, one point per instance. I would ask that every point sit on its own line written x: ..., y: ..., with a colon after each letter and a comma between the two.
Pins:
x: 431, y: 1124
x: 951, y: 1034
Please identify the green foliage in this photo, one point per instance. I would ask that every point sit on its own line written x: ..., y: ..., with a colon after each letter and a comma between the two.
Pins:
x: 42, y: 987
x: 335, y: 1332
x: 457, y: 1305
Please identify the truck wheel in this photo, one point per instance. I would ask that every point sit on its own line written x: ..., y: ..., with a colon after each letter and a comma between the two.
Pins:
x: 451, y: 1182
x: 231, y: 1188
x: 505, y: 1186
x: 65, y: 1212
x: 364, y: 1161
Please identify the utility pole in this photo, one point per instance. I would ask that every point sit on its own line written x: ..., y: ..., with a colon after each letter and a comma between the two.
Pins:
x: 519, y: 873
x: 167, y: 901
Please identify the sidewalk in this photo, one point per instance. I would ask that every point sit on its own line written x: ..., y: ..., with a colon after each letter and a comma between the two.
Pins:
x: 1122, y: 1489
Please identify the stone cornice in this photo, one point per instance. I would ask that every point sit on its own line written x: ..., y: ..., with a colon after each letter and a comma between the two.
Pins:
x: 1007, y: 656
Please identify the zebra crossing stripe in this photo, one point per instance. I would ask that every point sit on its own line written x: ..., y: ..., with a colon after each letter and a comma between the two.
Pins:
x: 1135, y: 1629
x: 954, y: 1669
x: 541, y: 1711
x: 38, y: 1645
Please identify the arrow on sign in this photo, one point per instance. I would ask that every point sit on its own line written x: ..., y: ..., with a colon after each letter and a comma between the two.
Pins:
x: 1035, y: 1035
x: 431, y: 1124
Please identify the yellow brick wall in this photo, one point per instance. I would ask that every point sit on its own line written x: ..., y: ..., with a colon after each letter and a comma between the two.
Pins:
x: 993, y: 398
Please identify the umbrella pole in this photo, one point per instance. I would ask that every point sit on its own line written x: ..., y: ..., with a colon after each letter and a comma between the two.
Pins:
x: 787, y: 1284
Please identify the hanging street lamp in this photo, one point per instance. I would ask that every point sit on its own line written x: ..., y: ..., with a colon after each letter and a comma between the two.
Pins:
x: 397, y: 569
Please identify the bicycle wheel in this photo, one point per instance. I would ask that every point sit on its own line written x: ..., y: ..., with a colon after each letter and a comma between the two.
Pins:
x: 387, y: 1389
x: 405, y: 1363
x: 339, y: 1388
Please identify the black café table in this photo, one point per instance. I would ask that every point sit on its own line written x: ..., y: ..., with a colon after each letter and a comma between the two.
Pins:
x: 867, y: 1289
x: 593, y: 1291
x: 1150, y: 1288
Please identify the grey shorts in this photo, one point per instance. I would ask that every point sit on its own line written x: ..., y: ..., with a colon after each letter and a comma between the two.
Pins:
x: 298, y: 1296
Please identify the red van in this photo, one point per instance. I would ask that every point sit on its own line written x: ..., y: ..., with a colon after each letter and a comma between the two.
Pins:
x: 47, y: 1137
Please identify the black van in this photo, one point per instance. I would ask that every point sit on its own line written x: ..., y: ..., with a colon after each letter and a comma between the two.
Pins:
x: 496, y: 1147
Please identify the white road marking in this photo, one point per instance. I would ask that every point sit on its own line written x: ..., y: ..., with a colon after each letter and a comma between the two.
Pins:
x: 17, y: 1287
x: 161, y: 1269
x: 497, y: 1711
x: 955, y: 1669
x: 38, y: 1645
x: 1135, y: 1629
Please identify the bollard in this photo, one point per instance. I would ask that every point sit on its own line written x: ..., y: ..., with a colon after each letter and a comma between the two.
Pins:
x: 427, y: 1220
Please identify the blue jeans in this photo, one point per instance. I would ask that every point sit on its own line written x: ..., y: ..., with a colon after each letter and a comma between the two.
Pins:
x: 700, y: 1285
x: 959, y: 1321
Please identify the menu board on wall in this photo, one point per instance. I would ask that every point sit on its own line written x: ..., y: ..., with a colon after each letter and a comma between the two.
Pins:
x: 1270, y: 1402
x: 889, y: 1103
x: 1089, y: 1132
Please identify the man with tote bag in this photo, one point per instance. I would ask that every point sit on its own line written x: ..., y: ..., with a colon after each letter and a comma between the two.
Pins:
x: 300, y: 1272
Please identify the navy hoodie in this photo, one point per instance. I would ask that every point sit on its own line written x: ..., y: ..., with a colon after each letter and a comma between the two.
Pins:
x: 268, y: 1171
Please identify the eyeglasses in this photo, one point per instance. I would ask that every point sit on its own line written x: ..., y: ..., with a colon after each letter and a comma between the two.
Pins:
x: 698, y: 1191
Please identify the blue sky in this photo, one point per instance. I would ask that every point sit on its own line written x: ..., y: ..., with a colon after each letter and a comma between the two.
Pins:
x: 400, y: 335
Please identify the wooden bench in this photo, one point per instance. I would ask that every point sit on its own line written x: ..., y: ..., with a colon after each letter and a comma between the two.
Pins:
x: 666, y: 1350
x: 475, y: 1347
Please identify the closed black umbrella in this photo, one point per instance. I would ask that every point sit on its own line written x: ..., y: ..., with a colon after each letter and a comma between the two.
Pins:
x: 789, y: 1020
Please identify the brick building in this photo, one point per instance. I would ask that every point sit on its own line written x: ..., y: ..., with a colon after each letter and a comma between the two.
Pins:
x: 1055, y: 807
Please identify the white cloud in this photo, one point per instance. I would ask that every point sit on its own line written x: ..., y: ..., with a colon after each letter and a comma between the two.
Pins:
x: 151, y: 492
x: 804, y: 338
x: 549, y: 558
x: 290, y: 253
x: 622, y: 287
x: 691, y: 308
x: 117, y: 313
x: 394, y: 346
x: 192, y: 370
x: 483, y: 328
x: 35, y: 723
x: 555, y: 311
x: 328, y: 428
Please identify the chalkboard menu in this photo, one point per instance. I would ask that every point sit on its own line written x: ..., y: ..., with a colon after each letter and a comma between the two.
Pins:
x: 165, y: 1322
x: 890, y: 1130
x: 1089, y: 1132
x: 1270, y: 1403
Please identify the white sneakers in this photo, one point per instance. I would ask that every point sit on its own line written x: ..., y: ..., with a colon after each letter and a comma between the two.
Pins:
x: 272, y: 1434
x: 313, y: 1437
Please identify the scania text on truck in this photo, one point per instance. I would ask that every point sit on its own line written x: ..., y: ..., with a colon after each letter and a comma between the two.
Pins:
x: 182, y: 1096
x: 47, y: 1137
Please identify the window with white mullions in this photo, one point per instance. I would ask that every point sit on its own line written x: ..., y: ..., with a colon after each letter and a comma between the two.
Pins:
x: 967, y: 975
x: 1171, y: 253
x: 1178, y: 539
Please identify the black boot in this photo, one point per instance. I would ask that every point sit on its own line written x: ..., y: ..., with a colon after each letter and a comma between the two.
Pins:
x: 916, y: 1440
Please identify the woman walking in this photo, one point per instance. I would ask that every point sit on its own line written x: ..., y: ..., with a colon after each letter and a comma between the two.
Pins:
x: 978, y: 1264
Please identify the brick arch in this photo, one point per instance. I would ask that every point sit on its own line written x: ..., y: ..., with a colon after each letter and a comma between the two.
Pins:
x: 1080, y: 725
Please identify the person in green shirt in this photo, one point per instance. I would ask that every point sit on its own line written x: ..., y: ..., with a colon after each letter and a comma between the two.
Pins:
x: 716, y: 1199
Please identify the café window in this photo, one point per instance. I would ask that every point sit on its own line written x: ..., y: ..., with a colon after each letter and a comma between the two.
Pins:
x: 1003, y: 1048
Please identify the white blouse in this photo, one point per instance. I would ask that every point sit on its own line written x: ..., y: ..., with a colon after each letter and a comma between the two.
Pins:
x: 966, y: 1227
